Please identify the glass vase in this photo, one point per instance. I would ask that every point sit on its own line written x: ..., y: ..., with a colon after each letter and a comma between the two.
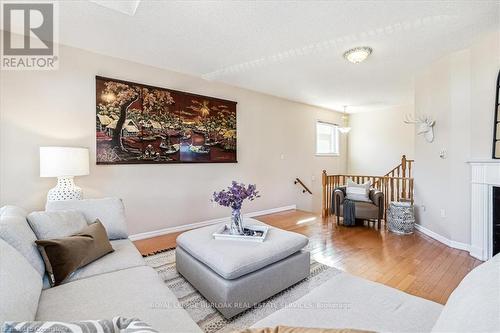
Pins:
x: 236, y: 222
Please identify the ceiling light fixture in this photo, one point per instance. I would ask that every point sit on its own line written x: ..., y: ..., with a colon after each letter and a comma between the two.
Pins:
x: 345, y: 122
x: 358, y: 54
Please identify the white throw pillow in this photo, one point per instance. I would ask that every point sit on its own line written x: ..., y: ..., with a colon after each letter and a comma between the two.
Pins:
x: 358, y: 192
x: 49, y: 225
x: 110, y: 211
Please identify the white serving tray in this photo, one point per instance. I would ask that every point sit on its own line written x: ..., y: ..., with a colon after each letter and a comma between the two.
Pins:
x: 223, y: 233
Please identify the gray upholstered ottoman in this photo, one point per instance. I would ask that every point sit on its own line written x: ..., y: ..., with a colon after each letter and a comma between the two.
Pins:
x: 236, y: 275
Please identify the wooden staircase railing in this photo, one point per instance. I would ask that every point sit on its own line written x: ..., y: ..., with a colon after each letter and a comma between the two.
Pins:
x: 304, y: 187
x: 403, y: 170
x: 397, y: 185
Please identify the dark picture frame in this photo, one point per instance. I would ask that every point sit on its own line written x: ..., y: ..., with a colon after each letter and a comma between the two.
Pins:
x: 143, y: 124
x: 496, y: 130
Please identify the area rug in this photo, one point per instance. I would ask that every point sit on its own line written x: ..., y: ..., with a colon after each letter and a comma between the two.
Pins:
x: 208, y: 318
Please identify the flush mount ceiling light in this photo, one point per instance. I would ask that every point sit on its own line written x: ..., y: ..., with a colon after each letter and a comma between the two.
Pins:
x: 358, y: 54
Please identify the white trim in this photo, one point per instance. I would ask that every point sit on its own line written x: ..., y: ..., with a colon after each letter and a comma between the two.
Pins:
x: 164, y: 231
x: 442, y: 239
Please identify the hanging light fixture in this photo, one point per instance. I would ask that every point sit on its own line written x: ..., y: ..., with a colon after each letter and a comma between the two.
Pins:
x: 344, y: 129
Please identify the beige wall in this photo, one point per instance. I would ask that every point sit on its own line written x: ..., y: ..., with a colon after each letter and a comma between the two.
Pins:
x: 58, y: 108
x: 378, y: 139
x: 459, y: 92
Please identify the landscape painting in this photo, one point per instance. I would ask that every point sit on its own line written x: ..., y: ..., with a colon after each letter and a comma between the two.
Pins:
x: 136, y: 123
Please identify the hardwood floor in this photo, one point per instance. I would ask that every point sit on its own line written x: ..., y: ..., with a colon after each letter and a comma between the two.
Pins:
x: 415, y: 263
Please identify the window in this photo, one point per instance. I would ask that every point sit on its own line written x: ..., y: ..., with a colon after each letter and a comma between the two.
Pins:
x: 327, y: 139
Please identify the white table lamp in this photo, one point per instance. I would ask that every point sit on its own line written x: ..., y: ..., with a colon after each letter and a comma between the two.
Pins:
x: 64, y: 163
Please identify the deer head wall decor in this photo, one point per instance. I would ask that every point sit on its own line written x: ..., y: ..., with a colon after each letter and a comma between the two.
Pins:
x: 425, y: 126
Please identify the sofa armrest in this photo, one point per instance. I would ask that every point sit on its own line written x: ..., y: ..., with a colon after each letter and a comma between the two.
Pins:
x: 377, y: 197
x: 339, y: 193
x: 338, y: 199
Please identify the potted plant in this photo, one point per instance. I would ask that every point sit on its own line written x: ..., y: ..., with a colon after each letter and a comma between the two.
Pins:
x: 233, y: 197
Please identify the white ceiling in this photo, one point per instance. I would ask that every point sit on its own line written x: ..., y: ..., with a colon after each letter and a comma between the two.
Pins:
x: 291, y: 49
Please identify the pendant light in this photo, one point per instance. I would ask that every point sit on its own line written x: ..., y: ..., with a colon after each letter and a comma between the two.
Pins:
x: 344, y: 129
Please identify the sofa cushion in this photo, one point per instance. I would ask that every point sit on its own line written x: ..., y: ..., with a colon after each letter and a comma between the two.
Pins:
x: 474, y: 306
x: 124, y: 256
x: 110, y: 211
x: 63, y: 256
x: 232, y: 259
x: 352, y: 302
x: 135, y: 293
x: 15, y: 230
x: 20, y: 286
x: 49, y: 225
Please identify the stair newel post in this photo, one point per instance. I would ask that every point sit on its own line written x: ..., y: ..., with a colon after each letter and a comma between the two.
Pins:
x: 403, y: 169
x: 324, y: 205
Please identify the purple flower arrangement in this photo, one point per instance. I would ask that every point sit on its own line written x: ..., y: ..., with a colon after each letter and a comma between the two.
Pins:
x: 235, y: 194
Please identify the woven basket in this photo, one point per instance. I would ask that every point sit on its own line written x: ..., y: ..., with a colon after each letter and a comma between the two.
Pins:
x: 401, y: 218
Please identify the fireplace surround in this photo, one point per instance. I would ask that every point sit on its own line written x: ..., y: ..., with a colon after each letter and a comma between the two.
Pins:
x: 485, y: 208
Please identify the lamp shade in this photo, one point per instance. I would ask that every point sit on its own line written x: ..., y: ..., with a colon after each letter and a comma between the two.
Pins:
x: 64, y: 161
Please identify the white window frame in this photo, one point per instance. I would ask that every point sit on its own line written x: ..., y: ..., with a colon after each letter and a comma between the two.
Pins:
x: 337, y: 138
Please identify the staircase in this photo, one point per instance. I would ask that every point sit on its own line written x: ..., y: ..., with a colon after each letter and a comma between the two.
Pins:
x: 397, y: 184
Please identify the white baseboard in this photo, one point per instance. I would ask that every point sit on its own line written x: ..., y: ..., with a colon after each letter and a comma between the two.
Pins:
x: 442, y: 239
x: 150, y: 234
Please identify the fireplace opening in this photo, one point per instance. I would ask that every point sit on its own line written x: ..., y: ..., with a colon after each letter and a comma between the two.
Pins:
x: 496, y: 220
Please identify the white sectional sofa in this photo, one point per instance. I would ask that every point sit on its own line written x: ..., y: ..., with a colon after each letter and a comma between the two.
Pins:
x: 120, y: 284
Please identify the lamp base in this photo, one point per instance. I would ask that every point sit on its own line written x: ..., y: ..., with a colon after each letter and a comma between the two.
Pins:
x: 65, y: 190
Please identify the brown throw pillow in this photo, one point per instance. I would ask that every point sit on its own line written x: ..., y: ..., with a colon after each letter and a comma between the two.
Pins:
x: 63, y: 256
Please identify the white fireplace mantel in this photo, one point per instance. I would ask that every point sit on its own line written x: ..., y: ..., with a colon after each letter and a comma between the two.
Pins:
x: 485, y: 174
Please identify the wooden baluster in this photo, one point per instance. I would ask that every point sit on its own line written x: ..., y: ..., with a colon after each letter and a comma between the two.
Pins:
x: 329, y: 196
x: 397, y: 185
x: 403, y: 167
x: 323, y: 183
x: 386, y: 196
x: 411, y: 190
x: 392, y: 188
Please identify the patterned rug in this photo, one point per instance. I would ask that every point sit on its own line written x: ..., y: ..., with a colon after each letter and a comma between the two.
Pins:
x: 208, y: 318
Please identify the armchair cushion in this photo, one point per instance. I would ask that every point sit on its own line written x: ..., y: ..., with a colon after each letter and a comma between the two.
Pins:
x: 372, y: 209
x: 364, y: 210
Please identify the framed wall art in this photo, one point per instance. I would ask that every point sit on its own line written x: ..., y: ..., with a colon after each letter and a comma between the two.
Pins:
x: 496, y: 131
x: 141, y: 124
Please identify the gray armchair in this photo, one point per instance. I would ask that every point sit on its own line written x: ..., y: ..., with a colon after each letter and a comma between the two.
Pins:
x: 373, y: 210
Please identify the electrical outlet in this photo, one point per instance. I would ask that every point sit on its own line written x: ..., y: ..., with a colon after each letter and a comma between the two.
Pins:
x: 443, y: 213
x: 282, y: 156
x: 313, y: 178
x: 423, y: 207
